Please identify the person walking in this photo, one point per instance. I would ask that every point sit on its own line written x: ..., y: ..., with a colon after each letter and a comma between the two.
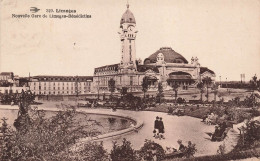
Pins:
x: 161, y: 129
x: 156, y: 127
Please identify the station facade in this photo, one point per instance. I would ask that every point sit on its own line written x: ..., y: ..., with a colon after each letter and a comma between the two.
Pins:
x: 165, y: 65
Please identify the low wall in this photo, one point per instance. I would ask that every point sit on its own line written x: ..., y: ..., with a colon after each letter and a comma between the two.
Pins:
x: 138, y: 125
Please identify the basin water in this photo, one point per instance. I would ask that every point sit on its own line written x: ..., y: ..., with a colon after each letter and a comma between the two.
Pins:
x: 107, y: 123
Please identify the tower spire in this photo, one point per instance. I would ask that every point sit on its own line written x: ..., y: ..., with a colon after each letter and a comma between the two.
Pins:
x: 127, y: 4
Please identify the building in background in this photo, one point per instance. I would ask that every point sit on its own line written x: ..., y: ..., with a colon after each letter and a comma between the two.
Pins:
x: 5, y: 76
x: 9, y: 83
x: 165, y: 65
x: 60, y: 85
x: 12, y: 89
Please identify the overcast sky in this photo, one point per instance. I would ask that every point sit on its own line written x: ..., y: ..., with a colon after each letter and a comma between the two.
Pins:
x: 223, y: 34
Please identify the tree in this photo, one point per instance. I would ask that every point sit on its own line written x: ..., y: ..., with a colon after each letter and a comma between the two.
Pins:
x: 145, y: 85
x: 200, y: 86
x: 175, y: 87
x: 207, y: 81
x: 215, y: 92
x: 254, y: 83
x: 160, y: 91
x: 112, y: 86
x: 49, y: 138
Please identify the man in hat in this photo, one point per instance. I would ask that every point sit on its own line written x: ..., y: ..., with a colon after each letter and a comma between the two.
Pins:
x: 161, y: 128
x: 156, y: 127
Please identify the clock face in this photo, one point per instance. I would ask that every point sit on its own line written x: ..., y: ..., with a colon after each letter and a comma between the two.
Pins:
x: 131, y: 28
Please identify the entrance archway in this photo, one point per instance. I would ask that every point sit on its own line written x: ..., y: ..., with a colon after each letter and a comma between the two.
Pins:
x: 181, y: 78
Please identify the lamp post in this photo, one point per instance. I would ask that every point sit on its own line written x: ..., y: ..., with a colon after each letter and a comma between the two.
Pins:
x: 226, y: 84
x: 220, y: 80
x: 98, y: 87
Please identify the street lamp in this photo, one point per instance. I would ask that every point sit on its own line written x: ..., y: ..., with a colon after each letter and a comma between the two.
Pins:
x: 220, y: 81
x: 226, y: 84
x: 98, y: 87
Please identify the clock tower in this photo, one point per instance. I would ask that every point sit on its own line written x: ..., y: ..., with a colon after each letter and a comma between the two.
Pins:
x: 127, y: 33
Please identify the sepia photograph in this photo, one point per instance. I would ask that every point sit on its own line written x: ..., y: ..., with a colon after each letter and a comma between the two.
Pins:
x: 129, y: 80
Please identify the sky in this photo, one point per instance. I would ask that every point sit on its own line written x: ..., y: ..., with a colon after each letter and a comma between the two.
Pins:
x: 223, y: 34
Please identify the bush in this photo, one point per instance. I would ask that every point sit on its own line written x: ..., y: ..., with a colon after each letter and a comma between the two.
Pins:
x: 123, y: 152
x: 190, y: 150
x: 90, y: 151
x: 151, y: 150
x: 46, y: 138
x: 250, y: 136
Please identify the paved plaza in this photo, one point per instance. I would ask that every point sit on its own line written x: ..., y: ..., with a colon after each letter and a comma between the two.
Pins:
x: 185, y: 128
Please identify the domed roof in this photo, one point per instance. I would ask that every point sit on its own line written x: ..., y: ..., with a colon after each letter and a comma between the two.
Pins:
x: 170, y: 56
x: 128, y: 17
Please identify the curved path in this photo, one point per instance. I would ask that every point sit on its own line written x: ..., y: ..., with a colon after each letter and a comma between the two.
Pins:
x: 185, y: 128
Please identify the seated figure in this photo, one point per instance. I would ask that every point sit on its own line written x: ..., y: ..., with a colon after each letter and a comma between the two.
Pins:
x: 181, y: 146
x: 216, y: 133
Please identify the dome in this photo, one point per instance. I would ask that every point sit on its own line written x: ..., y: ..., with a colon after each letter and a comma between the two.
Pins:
x: 128, y: 17
x: 170, y: 56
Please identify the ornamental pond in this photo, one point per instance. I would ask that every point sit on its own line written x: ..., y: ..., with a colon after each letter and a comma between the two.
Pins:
x: 106, y: 123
